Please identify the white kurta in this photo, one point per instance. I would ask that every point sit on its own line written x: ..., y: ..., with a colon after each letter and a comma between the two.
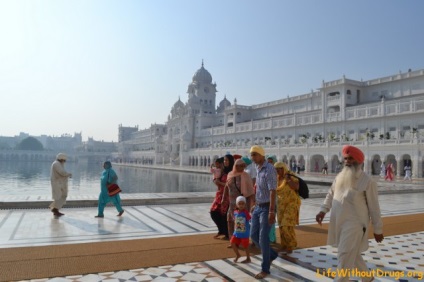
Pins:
x: 59, y: 181
x: 351, y: 213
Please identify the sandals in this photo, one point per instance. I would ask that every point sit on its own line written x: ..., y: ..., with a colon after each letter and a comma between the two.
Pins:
x: 261, y: 275
x: 217, y: 236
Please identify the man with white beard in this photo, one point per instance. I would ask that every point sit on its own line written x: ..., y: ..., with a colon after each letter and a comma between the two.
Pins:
x: 353, y: 200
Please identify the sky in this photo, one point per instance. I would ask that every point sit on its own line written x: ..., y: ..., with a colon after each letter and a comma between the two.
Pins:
x: 88, y: 66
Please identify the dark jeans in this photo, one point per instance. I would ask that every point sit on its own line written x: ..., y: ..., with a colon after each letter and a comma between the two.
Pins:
x: 221, y: 222
x: 259, y: 232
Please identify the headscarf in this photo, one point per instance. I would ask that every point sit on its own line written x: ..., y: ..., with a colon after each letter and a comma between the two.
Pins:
x: 229, y: 168
x: 281, y: 165
x: 107, y: 164
x: 61, y: 157
x: 246, y: 160
x: 257, y: 149
x: 246, y: 181
x: 272, y: 157
x: 354, y: 152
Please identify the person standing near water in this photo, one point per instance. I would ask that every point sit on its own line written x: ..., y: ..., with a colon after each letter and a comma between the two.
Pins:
x: 59, y: 182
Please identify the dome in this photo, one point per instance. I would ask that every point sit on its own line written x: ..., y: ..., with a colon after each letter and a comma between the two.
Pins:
x: 224, y: 103
x: 178, y: 104
x: 202, y: 76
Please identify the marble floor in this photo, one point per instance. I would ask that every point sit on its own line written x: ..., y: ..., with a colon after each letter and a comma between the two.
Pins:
x: 399, y: 255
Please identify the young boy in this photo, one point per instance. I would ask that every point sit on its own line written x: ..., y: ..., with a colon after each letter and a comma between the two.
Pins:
x: 216, y: 169
x: 241, y: 229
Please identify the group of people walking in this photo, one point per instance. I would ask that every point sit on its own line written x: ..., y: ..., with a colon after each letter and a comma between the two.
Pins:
x: 245, y: 210
x: 252, y: 193
x: 389, y: 171
x: 245, y: 204
x: 59, y: 183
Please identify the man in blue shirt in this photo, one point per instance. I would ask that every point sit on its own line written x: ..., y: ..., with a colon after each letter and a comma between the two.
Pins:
x: 263, y: 213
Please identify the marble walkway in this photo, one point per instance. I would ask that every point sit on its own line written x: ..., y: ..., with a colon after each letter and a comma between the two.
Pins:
x: 19, y: 227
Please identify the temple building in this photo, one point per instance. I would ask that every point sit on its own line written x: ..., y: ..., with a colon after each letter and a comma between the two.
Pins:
x: 383, y: 116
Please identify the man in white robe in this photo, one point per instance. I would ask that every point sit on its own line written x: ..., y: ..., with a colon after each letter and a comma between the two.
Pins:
x: 59, y: 181
x: 353, y: 200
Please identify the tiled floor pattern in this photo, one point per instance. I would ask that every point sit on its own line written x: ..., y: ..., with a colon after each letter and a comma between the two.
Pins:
x: 399, y: 256
x: 181, y: 272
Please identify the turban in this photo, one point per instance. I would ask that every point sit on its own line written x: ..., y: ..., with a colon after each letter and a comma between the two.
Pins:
x: 272, y: 157
x: 236, y: 157
x: 240, y: 199
x: 61, y: 156
x: 354, y: 152
x: 281, y: 165
x: 246, y: 160
x: 257, y: 149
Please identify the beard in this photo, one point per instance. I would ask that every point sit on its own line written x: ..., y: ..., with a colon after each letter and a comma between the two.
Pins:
x: 346, y: 180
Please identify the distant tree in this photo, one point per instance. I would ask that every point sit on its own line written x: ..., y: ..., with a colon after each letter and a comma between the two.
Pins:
x: 30, y: 143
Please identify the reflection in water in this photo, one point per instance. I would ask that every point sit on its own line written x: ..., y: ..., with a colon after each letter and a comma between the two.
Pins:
x: 141, y: 180
x: 33, y: 178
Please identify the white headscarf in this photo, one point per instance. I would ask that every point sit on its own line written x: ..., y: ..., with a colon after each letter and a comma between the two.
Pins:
x: 61, y: 156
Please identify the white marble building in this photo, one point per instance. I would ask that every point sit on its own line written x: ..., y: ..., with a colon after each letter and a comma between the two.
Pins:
x: 383, y: 116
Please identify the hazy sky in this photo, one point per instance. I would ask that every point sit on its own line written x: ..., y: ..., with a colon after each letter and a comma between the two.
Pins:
x: 87, y: 66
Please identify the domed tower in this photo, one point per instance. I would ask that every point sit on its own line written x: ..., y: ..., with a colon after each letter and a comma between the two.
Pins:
x: 201, y: 93
x: 223, y: 105
x: 178, y: 109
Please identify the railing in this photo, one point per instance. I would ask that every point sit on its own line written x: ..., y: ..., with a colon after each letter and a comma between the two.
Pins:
x: 319, y: 144
x: 373, y: 110
x: 333, y: 98
x: 333, y: 117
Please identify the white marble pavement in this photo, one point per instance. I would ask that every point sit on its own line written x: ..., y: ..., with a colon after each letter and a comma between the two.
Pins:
x: 32, y: 227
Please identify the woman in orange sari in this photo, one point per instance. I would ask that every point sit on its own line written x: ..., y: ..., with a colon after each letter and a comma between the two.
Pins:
x: 288, y: 207
x: 390, y: 172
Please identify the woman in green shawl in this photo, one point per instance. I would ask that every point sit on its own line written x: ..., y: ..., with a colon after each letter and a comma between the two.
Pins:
x: 108, y: 177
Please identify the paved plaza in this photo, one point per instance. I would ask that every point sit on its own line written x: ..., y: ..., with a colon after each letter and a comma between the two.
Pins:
x: 30, y: 226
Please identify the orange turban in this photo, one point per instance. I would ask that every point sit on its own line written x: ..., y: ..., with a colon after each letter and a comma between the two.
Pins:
x: 354, y: 152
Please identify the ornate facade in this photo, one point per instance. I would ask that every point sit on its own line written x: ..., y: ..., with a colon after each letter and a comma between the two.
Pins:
x: 383, y: 116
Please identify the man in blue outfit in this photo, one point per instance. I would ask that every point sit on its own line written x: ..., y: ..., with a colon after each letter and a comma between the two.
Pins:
x: 263, y: 213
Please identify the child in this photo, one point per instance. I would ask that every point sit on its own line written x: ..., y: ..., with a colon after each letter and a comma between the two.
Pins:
x: 241, y: 229
x: 216, y: 170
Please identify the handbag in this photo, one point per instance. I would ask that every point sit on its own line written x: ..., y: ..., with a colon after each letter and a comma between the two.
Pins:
x: 113, y: 188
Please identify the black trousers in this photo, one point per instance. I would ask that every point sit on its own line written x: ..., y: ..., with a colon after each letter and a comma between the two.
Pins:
x: 221, y: 222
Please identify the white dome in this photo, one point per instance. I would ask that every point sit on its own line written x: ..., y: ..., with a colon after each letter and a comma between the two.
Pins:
x: 202, y: 76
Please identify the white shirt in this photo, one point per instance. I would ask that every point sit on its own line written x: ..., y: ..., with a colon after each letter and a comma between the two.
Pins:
x: 352, y: 211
